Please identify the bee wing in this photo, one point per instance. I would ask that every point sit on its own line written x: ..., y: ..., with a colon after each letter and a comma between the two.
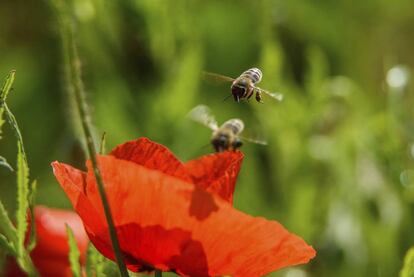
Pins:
x: 216, y: 78
x: 203, y: 115
x: 275, y: 95
x: 254, y: 140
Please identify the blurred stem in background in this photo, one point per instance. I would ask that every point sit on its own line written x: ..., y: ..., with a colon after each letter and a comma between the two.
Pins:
x: 72, y: 63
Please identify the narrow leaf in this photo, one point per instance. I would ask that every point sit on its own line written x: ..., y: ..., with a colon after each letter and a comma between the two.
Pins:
x: 17, y: 234
x: 1, y: 118
x: 31, y: 199
x: 6, y: 226
x: 22, y: 198
x: 102, y: 148
x: 408, y: 268
x: 7, y: 85
x: 95, y: 262
x: 3, y: 162
x: 73, y: 253
x: 13, y: 123
x: 9, y: 115
x: 25, y: 263
x: 32, y: 192
x: 7, y: 246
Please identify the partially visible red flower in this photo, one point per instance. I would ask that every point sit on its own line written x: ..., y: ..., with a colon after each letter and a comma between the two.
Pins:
x: 215, y: 173
x: 176, y: 216
x: 50, y: 256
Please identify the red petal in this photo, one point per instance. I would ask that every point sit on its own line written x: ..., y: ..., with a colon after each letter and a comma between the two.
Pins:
x: 151, y: 155
x: 73, y: 182
x: 51, y: 231
x: 166, y: 223
x: 50, y: 256
x: 217, y: 173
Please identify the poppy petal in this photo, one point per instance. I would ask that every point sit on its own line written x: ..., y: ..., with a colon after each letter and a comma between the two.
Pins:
x: 166, y: 223
x: 51, y: 231
x: 73, y: 182
x: 50, y: 256
x: 151, y: 155
x: 216, y: 173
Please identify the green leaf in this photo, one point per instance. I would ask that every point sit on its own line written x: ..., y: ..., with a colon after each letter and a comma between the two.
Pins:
x: 408, y: 268
x: 102, y: 148
x: 6, y: 226
x: 7, y: 85
x: 3, y: 162
x: 22, y: 198
x: 31, y: 199
x: 25, y: 263
x: 73, y: 253
x: 32, y: 193
x: 95, y: 262
x: 13, y: 123
x: 9, y: 115
x: 1, y: 118
x: 6, y: 245
x: 17, y: 235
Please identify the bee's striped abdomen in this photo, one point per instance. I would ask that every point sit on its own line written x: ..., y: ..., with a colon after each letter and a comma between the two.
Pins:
x: 253, y: 74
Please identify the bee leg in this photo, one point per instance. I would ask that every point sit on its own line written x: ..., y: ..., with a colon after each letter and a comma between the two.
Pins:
x: 248, y: 98
x: 259, y: 96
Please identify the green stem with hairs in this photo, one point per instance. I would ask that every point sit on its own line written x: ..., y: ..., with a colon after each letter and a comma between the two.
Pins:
x: 79, y: 95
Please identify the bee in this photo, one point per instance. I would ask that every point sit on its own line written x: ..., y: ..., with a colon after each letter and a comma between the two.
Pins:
x: 244, y: 86
x: 224, y: 137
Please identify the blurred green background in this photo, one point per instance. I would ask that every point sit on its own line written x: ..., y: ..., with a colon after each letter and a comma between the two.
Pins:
x: 338, y: 170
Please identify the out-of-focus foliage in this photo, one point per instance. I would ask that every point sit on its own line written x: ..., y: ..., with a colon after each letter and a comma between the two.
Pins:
x: 338, y: 169
x: 408, y: 269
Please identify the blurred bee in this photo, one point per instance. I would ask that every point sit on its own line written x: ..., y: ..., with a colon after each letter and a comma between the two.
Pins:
x: 244, y: 86
x: 224, y: 137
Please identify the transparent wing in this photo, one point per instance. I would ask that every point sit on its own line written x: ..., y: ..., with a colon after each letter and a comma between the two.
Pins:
x: 216, y: 78
x: 275, y: 95
x: 254, y: 134
x: 203, y: 115
x: 254, y: 140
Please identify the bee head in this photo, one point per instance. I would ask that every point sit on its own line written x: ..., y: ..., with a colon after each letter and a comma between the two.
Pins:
x: 238, y: 89
x: 220, y: 143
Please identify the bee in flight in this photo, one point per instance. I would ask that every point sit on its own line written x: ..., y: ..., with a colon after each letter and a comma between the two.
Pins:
x: 244, y: 86
x: 224, y: 137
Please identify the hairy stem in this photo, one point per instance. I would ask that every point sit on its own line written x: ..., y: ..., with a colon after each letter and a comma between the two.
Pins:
x: 79, y: 95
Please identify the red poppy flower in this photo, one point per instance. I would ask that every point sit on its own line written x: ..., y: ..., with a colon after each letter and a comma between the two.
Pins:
x: 50, y: 256
x: 176, y: 216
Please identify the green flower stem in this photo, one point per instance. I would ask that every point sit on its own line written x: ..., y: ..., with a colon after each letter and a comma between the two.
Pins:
x: 79, y: 95
x: 158, y: 273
